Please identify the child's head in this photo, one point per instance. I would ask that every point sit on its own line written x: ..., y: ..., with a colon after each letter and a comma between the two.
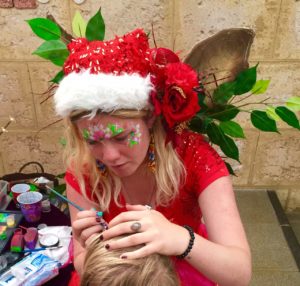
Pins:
x: 106, y: 268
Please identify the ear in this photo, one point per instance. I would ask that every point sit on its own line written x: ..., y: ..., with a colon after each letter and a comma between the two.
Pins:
x: 150, y: 120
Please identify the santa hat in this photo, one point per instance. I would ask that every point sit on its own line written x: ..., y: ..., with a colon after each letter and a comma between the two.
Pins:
x: 106, y: 76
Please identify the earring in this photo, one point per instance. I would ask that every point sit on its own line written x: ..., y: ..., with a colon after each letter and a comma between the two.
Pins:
x: 102, y: 168
x: 151, y: 154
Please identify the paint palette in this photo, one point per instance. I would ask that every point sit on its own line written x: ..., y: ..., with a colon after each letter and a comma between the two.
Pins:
x: 6, y: 232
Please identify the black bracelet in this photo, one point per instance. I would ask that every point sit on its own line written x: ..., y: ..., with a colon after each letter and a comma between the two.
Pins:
x: 191, y: 242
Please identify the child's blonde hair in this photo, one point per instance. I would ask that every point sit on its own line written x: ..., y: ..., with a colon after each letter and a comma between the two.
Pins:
x: 170, y: 171
x: 104, y: 267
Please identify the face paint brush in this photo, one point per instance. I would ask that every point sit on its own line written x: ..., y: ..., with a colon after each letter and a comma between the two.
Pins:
x: 63, y: 198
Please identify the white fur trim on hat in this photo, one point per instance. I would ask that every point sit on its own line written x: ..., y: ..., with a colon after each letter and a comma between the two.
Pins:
x: 107, y: 92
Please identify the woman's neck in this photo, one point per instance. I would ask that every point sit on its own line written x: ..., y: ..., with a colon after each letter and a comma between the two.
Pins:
x: 139, y: 188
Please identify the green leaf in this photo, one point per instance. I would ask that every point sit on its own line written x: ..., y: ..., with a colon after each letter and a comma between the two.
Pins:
x: 201, y: 102
x: 230, y: 170
x: 60, y: 176
x: 270, y: 110
x: 293, y: 103
x: 60, y: 189
x: 54, y: 50
x: 227, y: 145
x: 260, y: 86
x: 224, y: 92
x: 232, y: 129
x: 200, y: 123
x: 261, y: 121
x: 214, y: 133
x: 95, y: 29
x: 45, y: 28
x: 245, y: 80
x: 224, y: 113
x: 63, y: 141
x: 78, y: 25
x: 58, y: 77
x: 288, y: 116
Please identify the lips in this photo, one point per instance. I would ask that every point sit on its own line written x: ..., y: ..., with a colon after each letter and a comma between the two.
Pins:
x: 118, y: 166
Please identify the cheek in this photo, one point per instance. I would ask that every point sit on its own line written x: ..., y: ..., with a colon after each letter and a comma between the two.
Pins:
x: 139, y: 151
x: 95, y: 150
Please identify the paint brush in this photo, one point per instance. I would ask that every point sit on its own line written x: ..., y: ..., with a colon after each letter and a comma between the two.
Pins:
x: 59, y: 195
x: 64, y: 198
x: 40, y: 249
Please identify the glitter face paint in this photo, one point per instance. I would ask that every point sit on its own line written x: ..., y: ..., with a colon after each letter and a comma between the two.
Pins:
x: 98, y: 132
x: 135, y: 136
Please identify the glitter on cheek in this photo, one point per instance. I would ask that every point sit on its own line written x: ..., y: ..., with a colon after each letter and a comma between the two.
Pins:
x: 135, y: 136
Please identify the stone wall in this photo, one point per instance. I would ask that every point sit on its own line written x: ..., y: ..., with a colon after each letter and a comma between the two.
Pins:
x: 270, y: 161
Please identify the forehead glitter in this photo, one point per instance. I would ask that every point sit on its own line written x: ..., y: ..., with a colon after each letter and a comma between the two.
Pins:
x: 98, y: 132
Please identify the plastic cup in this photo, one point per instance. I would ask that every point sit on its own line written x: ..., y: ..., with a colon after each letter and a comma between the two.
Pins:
x: 18, y: 189
x: 31, y: 205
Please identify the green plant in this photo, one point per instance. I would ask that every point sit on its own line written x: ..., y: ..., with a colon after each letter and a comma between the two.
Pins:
x: 217, y: 114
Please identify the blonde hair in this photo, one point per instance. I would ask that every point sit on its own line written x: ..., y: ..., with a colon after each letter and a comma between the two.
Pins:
x: 106, y: 268
x: 170, y: 172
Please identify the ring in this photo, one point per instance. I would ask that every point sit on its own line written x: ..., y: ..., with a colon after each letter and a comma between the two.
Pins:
x: 149, y: 208
x: 136, y: 226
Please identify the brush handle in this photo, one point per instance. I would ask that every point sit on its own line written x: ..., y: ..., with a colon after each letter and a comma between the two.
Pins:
x: 39, y: 249
x: 64, y: 198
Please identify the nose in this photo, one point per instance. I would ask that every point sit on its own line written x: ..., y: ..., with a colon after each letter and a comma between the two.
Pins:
x: 110, y: 154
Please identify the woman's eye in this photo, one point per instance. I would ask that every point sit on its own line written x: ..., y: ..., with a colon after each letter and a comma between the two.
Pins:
x: 90, y: 142
x: 120, y: 139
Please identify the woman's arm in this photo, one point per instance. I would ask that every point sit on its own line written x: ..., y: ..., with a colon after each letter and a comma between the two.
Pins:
x: 84, y: 225
x: 225, y: 258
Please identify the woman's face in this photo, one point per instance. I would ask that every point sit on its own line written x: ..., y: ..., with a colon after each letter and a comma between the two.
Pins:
x: 120, y: 144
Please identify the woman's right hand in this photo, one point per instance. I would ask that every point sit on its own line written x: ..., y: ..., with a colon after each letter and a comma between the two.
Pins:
x: 85, y: 225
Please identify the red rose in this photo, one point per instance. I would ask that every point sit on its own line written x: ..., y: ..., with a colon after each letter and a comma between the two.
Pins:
x: 159, y: 59
x: 180, y: 101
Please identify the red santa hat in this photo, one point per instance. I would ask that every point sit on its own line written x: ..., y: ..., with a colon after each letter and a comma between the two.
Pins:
x: 106, y: 76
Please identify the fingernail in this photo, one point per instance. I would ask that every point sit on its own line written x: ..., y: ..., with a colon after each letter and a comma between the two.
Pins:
x: 101, y: 237
x: 123, y: 257
x: 99, y: 214
x: 107, y: 246
x: 93, y: 209
x: 98, y: 219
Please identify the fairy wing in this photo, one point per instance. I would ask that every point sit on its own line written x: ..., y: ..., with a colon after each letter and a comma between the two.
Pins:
x: 221, y: 57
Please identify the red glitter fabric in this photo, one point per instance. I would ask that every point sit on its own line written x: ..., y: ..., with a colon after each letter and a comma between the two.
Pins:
x: 126, y: 54
x: 203, y: 166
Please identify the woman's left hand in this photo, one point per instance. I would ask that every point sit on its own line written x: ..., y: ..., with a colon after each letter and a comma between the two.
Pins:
x: 157, y: 234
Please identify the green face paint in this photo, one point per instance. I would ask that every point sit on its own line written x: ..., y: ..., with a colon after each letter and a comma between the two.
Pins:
x: 98, y: 132
x: 135, y: 136
x: 115, y: 130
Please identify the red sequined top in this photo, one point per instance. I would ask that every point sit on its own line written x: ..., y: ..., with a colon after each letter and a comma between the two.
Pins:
x: 203, y: 166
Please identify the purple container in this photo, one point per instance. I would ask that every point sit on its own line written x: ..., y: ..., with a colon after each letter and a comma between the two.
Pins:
x: 31, y: 205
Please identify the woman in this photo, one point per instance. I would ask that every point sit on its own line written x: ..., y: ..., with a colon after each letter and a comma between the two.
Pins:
x: 131, y: 156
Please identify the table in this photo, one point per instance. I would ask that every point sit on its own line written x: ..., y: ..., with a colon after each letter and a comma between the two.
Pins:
x: 53, y: 218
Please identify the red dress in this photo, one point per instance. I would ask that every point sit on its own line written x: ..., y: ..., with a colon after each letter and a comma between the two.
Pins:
x: 203, y: 166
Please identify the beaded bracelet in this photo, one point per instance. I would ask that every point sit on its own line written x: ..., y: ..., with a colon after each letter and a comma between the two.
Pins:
x: 191, y: 243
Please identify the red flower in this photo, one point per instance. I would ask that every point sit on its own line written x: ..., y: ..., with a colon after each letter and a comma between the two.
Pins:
x: 180, y: 101
x: 159, y: 59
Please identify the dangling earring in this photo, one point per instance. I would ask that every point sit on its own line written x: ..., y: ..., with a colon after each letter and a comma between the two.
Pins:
x: 102, y: 168
x: 151, y: 154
